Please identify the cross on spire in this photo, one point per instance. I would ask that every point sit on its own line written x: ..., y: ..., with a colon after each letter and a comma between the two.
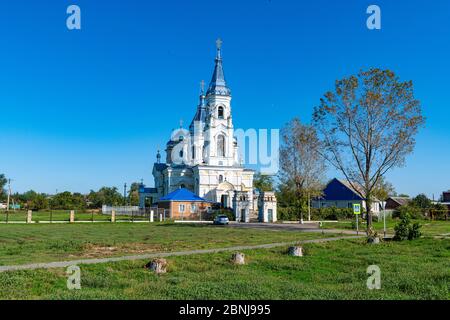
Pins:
x: 181, y: 123
x: 219, y: 43
x: 202, y: 87
x: 219, y: 47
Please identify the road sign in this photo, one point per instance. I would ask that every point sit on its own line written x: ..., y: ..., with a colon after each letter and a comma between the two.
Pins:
x: 356, y: 208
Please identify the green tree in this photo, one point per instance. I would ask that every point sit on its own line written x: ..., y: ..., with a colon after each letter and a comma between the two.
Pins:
x: 421, y: 201
x: 3, y: 182
x: 38, y: 202
x: 367, y: 126
x: 133, y: 194
x: 301, y: 167
x: 105, y: 196
x: 263, y: 182
x: 384, y: 189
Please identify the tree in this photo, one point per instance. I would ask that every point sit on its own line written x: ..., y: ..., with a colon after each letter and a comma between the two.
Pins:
x: 263, y: 182
x: 38, y: 202
x: 302, y: 168
x: 68, y: 201
x: 384, y: 189
x: 421, y: 201
x: 3, y: 182
x: 133, y: 194
x: 367, y: 126
x: 105, y: 196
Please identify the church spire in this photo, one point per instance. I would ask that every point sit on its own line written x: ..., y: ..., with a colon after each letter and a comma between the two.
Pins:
x: 218, y: 85
x: 200, y: 115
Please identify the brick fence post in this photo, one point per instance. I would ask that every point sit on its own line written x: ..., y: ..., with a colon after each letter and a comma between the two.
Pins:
x: 113, y: 216
x: 72, y: 216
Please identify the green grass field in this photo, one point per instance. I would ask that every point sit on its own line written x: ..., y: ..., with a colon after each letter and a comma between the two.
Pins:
x: 334, y: 270
x: 21, y: 243
x: 429, y: 228
x: 418, y: 269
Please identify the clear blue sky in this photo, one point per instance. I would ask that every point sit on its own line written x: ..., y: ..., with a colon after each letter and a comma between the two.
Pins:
x: 83, y: 109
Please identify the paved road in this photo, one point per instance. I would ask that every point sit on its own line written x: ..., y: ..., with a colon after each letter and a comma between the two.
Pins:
x: 65, y: 264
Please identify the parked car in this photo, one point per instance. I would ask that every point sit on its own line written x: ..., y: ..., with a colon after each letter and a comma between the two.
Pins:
x: 221, y: 220
x: 2, y: 206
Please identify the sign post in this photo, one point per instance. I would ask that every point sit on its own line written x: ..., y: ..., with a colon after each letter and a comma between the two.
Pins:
x: 357, y: 212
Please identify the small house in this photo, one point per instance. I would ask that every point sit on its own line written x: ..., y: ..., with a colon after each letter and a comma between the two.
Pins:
x: 393, y: 203
x: 185, y: 205
x: 341, y: 194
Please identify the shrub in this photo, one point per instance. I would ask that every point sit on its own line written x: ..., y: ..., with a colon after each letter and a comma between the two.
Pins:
x: 287, y: 213
x: 410, y: 210
x: 414, y: 231
x: 405, y: 231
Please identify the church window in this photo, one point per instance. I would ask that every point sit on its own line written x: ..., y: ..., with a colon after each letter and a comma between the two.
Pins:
x: 193, y: 152
x: 180, y: 138
x: 221, y: 146
x: 220, y: 178
x: 181, y: 154
x: 182, y: 186
x: 220, y: 113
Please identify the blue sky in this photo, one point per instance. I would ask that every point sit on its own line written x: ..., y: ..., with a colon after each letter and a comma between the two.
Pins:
x: 83, y: 109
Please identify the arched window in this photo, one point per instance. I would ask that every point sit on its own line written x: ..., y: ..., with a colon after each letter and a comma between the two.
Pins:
x: 182, y: 186
x: 180, y: 138
x: 193, y: 152
x: 220, y: 112
x: 220, y: 178
x: 221, y: 146
x: 181, y: 154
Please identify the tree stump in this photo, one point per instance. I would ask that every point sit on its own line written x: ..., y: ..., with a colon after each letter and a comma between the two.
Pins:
x: 157, y: 265
x: 238, y: 258
x: 295, y: 251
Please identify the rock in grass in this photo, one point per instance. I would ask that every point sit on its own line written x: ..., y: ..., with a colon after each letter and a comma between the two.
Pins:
x: 373, y: 240
x: 295, y: 251
x: 157, y: 265
x: 238, y: 258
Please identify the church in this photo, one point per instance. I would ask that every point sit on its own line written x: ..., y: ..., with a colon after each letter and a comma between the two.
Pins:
x: 205, y: 158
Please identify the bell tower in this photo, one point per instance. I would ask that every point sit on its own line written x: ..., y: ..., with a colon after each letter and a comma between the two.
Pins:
x: 219, y: 131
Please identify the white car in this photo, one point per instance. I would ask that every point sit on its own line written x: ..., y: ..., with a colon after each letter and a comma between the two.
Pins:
x: 2, y: 206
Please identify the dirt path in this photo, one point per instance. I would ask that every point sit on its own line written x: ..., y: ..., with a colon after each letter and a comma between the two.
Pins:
x: 65, y: 264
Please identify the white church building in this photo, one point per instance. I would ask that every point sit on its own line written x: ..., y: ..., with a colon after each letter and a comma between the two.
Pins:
x: 205, y: 158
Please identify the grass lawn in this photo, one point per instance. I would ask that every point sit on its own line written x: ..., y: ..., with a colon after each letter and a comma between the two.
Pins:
x: 418, y: 269
x: 22, y: 243
x: 429, y: 228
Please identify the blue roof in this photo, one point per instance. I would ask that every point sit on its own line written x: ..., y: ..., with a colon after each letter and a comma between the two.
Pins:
x: 337, y: 190
x: 182, y: 194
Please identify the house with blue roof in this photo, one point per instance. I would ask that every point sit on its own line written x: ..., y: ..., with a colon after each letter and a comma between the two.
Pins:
x: 341, y: 194
x: 183, y: 204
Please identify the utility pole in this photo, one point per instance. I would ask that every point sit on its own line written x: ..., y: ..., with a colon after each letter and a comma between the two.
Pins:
x: 125, y: 193
x: 9, y: 194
